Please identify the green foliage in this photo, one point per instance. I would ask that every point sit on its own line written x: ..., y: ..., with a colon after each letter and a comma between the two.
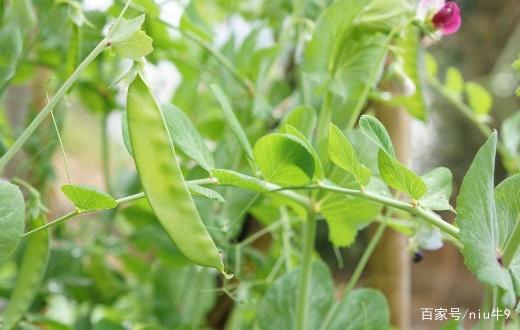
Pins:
x: 361, y: 309
x: 454, y: 82
x: 510, y: 133
x: 87, y: 198
x: 186, y: 137
x: 413, y: 62
x: 347, y: 215
x: 128, y: 40
x: 233, y: 121
x: 277, y: 307
x: 262, y: 84
x: 479, y: 99
x: 439, y: 184
x: 478, y: 222
x: 395, y: 174
x: 182, y: 223
x: 284, y: 160
x: 32, y: 270
x: 342, y: 153
x: 303, y: 118
x: 12, y: 214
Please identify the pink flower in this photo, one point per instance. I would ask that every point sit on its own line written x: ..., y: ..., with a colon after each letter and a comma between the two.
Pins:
x: 448, y: 18
x: 443, y: 15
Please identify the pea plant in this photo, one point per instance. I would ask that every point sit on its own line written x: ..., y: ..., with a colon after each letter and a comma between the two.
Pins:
x: 216, y: 225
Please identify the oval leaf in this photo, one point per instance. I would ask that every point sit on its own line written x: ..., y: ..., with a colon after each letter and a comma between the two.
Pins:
x: 438, y: 183
x: 376, y: 131
x: 12, y: 214
x: 186, y: 137
x: 361, y: 309
x: 397, y: 176
x: 276, y: 309
x: 342, y: 153
x: 284, y: 160
x: 87, y: 198
x: 477, y: 219
x: 479, y: 99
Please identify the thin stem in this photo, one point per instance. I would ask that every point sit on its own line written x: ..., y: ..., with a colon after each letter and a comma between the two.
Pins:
x: 29, y: 130
x: 464, y: 109
x: 244, y: 82
x: 52, y: 223
x: 324, y: 118
x: 511, y: 246
x: 360, y: 267
x: 302, y: 304
x: 17, y: 145
x: 353, y: 118
x: 366, y: 256
x: 427, y: 215
x: 105, y: 153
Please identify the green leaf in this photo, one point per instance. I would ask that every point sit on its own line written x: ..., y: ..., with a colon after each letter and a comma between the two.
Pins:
x: 361, y: 309
x: 342, y: 153
x: 331, y: 30
x: 11, y: 45
x: 232, y: 120
x: 276, y: 310
x: 21, y: 14
x: 359, y: 66
x: 125, y: 29
x: 87, y: 198
x: 205, y: 192
x: 376, y: 131
x: 397, y: 176
x: 302, y: 118
x: 319, y: 172
x: 454, y: 82
x: 386, y: 14
x: 346, y: 215
x: 235, y: 179
x: 412, y: 55
x: 232, y: 178
x: 135, y: 47
x: 510, y: 133
x: 507, y: 201
x: 284, y: 160
x: 186, y: 137
x: 12, y: 214
x: 438, y: 183
x: 479, y: 99
x: 477, y: 220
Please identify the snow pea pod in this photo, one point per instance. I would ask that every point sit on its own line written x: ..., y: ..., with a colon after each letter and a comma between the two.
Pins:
x: 162, y: 180
x: 30, y: 275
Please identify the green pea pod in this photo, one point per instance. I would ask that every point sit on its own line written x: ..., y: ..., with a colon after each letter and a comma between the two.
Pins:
x: 162, y: 179
x: 30, y: 275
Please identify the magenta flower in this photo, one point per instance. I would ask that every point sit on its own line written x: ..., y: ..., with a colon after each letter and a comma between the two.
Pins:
x: 443, y: 15
x: 448, y: 18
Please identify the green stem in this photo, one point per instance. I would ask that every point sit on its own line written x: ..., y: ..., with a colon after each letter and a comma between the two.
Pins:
x: 244, y: 82
x: 427, y: 215
x: 302, y: 304
x: 511, y: 246
x: 51, y: 105
x: 360, y: 267
x: 105, y: 153
x: 465, y: 110
x: 127, y: 199
x: 324, y: 118
x: 353, y: 118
